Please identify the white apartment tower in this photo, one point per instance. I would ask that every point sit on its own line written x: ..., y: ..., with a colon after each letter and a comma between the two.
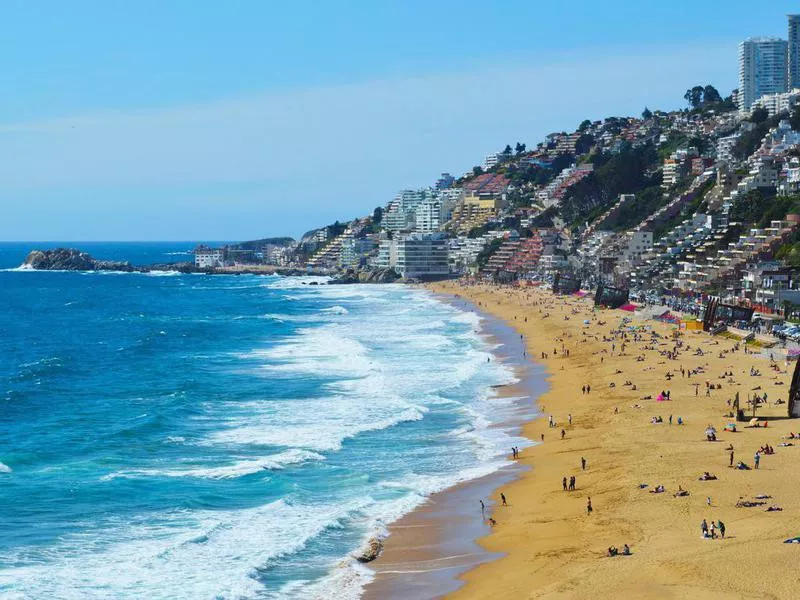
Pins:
x: 794, y: 51
x: 762, y: 69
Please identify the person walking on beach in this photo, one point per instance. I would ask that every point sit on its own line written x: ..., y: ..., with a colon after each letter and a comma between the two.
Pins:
x: 483, y: 507
x: 563, y: 433
x: 572, y: 483
x: 757, y: 459
x: 589, y: 506
x: 583, y: 464
x: 721, y: 527
x: 550, y: 420
x: 704, y: 528
x: 503, y: 499
x: 564, y: 483
x: 569, y: 418
x: 730, y: 464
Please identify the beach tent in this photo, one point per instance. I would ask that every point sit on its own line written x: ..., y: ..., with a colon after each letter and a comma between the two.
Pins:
x: 628, y: 307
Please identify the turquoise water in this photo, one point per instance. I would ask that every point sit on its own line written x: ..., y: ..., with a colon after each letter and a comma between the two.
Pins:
x: 191, y: 436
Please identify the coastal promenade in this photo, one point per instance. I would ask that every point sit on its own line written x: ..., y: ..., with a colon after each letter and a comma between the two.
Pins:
x: 553, y: 548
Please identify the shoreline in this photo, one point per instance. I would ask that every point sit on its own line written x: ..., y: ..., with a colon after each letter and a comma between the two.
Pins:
x: 428, y: 549
x: 550, y: 547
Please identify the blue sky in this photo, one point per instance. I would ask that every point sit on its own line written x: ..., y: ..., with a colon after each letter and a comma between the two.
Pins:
x: 187, y: 120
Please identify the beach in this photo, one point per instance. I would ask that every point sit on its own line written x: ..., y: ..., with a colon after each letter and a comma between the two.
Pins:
x: 428, y: 548
x: 550, y: 546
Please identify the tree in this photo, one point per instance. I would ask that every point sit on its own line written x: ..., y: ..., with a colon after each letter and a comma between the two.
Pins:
x: 694, y: 96
x: 711, y: 95
x: 759, y: 115
x: 585, y: 124
x: 377, y: 215
x: 646, y: 114
x: 584, y: 144
x: 507, y: 149
x: 477, y: 171
x: 520, y: 148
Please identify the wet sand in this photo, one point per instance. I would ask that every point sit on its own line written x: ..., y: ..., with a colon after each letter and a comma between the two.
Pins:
x: 430, y: 547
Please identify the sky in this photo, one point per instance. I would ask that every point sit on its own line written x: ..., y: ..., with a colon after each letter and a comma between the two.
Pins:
x: 197, y: 120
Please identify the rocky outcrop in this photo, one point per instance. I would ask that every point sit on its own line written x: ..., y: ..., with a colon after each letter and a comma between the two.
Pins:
x: 70, y: 259
x: 367, y: 276
x: 371, y: 550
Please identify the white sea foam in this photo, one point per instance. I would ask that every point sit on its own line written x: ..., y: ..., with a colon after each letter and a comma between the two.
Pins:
x: 4, y: 468
x: 184, y: 555
x: 336, y: 310
x: 229, y: 471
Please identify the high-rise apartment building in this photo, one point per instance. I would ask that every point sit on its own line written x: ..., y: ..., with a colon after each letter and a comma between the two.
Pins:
x: 762, y: 69
x: 794, y: 51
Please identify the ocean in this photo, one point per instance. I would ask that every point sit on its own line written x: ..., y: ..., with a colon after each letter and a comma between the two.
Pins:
x: 201, y: 437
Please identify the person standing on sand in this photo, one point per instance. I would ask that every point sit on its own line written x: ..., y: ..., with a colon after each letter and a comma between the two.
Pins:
x: 483, y: 507
x: 583, y: 464
x: 569, y: 418
x: 563, y: 433
x: 730, y: 464
x: 503, y: 499
x: 589, y: 506
x: 564, y: 483
x: 721, y: 527
x: 757, y: 459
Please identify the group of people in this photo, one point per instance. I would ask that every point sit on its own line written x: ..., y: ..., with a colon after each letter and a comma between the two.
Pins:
x: 569, y: 486
x: 710, y: 530
x: 614, y: 551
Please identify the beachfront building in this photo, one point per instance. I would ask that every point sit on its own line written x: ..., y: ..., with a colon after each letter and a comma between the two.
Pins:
x: 206, y: 258
x: 763, y: 69
x: 414, y: 255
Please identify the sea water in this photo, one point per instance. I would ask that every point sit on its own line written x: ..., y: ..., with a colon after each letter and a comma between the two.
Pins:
x: 191, y: 436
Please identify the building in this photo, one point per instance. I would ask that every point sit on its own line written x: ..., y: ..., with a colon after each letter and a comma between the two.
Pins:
x: 415, y: 255
x: 445, y: 181
x: 777, y: 103
x: 205, y: 257
x: 429, y: 216
x: 355, y: 251
x: 762, y: 69
x: 794, y: 51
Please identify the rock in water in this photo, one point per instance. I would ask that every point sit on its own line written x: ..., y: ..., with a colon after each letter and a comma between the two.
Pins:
x: 371, y: 551
x: 71, y: 259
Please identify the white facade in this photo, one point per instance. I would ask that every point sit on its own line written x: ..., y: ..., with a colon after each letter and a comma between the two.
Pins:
x: 429, y: 216
x: 763, y: 69
x: 639, y: 243
x: 205, y: 257
x: 777, y: 103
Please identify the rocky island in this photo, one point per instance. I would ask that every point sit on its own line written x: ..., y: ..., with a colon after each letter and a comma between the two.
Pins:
x: 72, y: 259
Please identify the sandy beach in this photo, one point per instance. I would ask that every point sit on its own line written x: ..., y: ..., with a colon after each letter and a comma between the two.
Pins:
x: 552, y: 547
